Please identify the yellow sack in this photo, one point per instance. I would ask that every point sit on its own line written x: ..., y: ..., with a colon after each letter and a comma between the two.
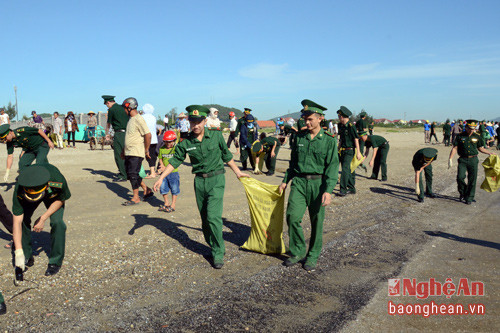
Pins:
x: 491, y: 181
x: 266, y: 211
x: 355, y: 162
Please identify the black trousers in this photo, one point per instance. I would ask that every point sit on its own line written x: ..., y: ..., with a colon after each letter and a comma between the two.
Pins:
x: 69, y: 138
x: 153, y: 154
x: 5, y: 216
x: 133, y: 166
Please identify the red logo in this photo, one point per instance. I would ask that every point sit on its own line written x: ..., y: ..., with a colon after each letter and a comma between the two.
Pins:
x: 394, y: 287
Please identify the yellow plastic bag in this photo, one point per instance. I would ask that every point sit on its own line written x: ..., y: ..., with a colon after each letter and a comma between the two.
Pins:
x: 266, y: 211
x: 491, y: 181
x: 355, y: 162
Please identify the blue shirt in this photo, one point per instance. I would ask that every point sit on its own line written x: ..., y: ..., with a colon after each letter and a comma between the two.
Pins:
x: 427, y: 127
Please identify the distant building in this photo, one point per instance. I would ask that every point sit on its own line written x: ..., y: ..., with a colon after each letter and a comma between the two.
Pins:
x: 266, y: 124
x: 382, y: 121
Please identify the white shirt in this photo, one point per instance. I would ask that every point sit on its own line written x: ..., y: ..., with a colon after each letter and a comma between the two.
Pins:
x: 165, y: 120
x: 58, y: 125
x: 233, y: 123
x: 151, y: 122
x: 4, y: 118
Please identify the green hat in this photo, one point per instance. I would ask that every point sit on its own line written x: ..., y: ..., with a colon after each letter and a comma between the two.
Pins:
x: 34, y: 179
x: 311, y: 107
x: 344, y: 112
x: 257, y: 147
x: 362, y: 114
x: 197, y: 112
x: 108, y: 98
x: 429, y: 153
x: 4, y: 130
x: 472, y: 123
x: 247, y: 110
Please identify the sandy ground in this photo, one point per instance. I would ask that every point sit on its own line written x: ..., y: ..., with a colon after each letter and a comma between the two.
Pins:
x: 138, y: 269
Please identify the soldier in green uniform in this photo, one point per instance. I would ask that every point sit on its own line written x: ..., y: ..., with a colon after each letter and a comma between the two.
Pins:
x: 422, y: 162
x: 446, y: 133
x: 271, y: 147
x: 467, y: 144
x: 370, y: 127
x: 248, y: 135
x: 349, y: 142
x: 36, y: 184
x: 301, y: 124
x: 35, y: 144
x: 362, y: 127
x: 314, y: 166
x: 379, y: 158
x: 118, y: 119
x: 207, y: 152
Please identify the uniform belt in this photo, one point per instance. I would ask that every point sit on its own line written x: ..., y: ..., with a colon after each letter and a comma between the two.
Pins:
x: 119, y: 130
x: 211, y: 174
x: 309, y: 176
x: 347, y: 148
x: 469, y: 156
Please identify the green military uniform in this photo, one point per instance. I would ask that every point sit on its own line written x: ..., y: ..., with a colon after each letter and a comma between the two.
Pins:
x: 370, y: 128
x: 3, y: 307
x: 301, y: 123
x: 380, y: 163
x: 467, y: 148
x: 268, y: 144
x: 207, y: 159
x: 421, y: 158
x: 313, y: 167
x: 34, y: 146
x: 361, y: 127
x: 118, y: 119
x: 348, y: 135
x: 57, y: 189
x: 447, y: 133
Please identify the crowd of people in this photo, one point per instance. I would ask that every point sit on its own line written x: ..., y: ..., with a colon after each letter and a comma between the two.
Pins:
x: 318, y: 151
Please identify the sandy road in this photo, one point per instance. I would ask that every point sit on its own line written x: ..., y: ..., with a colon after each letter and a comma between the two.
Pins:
x: 134, y: 268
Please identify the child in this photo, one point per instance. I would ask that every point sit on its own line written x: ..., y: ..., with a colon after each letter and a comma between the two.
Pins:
x: 172, y: 181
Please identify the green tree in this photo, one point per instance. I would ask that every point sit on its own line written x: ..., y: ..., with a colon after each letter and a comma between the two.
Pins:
x: 10, y: 110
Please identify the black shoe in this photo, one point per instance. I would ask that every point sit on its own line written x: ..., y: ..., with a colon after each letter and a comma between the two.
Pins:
x: 292, y: 261
x: 351, y: 192
x: 217, y: 264
x: 383, y: 180
x: 374, y: 178
x: 420, y: 199
x: 52, y: 270
x: 117, y: 180
x: 468, y: 202
x: 3, y: 308
x: 270, y: 173
x: 30, y: 262
x: 341, y: 194
x: 309, y: 266
x: 431, y: 195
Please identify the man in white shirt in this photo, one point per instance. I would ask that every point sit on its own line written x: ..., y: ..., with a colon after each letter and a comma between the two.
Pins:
x: 58, y: 130
x: 233, y: 123
x: 4, y: 117
x: 165, y: 123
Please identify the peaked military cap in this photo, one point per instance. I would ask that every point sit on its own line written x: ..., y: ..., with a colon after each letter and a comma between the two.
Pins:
x: 108, y: 98
x: 4, y: 130
x: 344, y: 112
x: 197, y: 111
x: 472, y: 123
x: 312, y: 107
x: 34, y: 179
x: 247, y: 110
x: 257, y: 147
x: 362, y: 114
x: 429, y: 153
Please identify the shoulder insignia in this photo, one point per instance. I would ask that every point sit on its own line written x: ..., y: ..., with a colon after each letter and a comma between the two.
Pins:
x: 55, y: 184
x: 214, y: 129
x: 19, y: 130
x: 329, y: 134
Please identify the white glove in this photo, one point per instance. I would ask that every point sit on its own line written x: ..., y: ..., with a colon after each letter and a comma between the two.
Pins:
x: 19, y: 258
x: 450, y: 163
x: 6, y: 177
x: 417, y: 189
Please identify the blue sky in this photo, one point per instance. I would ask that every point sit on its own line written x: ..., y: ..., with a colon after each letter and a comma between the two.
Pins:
x: 428, y: 59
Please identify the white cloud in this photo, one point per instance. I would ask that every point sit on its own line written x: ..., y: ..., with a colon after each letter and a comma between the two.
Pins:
x: 263, y: 71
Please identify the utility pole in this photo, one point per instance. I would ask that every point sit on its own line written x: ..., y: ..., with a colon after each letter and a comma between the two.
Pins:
x: 17, y: 110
